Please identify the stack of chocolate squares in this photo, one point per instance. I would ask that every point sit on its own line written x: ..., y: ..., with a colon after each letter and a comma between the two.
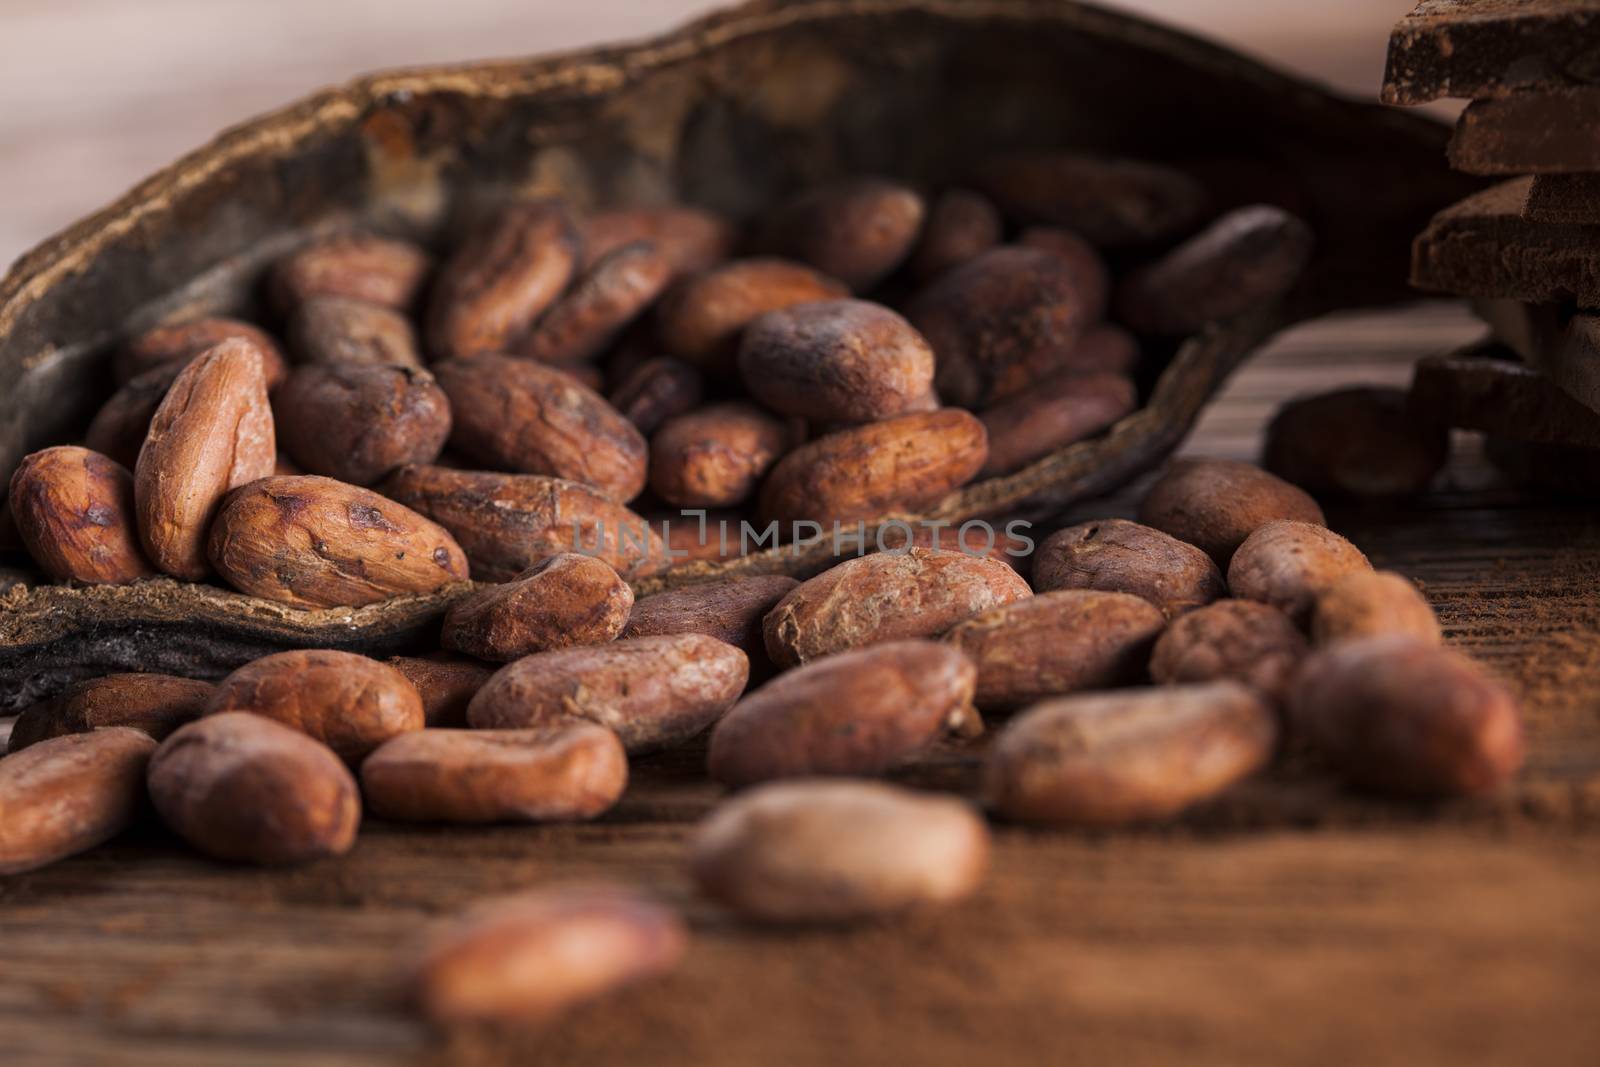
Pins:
x: 1526, y: 249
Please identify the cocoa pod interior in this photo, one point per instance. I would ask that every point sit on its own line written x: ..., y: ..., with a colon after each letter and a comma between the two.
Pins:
x: 733, y: 112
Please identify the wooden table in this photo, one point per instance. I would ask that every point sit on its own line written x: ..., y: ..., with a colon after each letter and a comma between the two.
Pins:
x: 1286, y: 923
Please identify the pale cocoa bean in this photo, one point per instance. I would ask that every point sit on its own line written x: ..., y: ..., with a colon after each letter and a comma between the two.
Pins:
x: 213, y: 432
x: 155, y: 704
x: 1243, y: 261
x: 519, y: 415
x: 730, y: 610
x: 348, y: 702
x: 1058, y: 643
x: 1004, y: 309
x: 702, y: 318
x: 316, y: 542
x: 1111, y: 202
x: 175, y: 345
x: 691, y: 238
x: 1362, y: 442
x: 1239, y: 640
x: 531, y: 957
x: 1214, y: 504
x: 119, y: 427
x: 887, y: 596
x: 657, y: 390
x: 1398, y: 715
x: 506, y: 273
x: 338, y: 330
x: 1109, y: 759
x: 857, y: 713
x: 833, y: 852
x: 560, y: 602
x: 836, y: 360
x: 610, y: 293
x: 903, y: 464
x: 961, y: 225
x: 356, y: 266
x: 855, y: 229
x: 509, y: 522
x: 67, y: 794
x: 446, y: 684
x: 1125, y: 557
x: 1289, y: 564
x: 1051, y: 415
x: 242, y: 787
x: 1371, y: 603
x: 358, y: 422
x: 715, y: 456
x: 565, y: 771
x: 654, y: 692
x: 74, y: 513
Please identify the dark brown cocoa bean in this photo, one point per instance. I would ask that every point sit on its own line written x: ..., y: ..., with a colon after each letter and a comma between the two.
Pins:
x: 1238, y: 640
x: 657, y: 390
x: 1112, y: 202
x: 174, y: 345
x: 730, y: 610
x: 446, y: 684
x: 119, y: 427
x: 855, y: 229
x: 358, y: 422
x: 1362, y: 442
x: 961, y: 225
x: 702, y: 318
x: 607, y: 296
x: 1214, y: 504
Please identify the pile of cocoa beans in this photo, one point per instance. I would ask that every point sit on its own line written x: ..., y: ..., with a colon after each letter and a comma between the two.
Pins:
x: 1146, y: 667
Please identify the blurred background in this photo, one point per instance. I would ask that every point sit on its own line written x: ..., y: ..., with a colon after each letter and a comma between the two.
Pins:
x: 99, y: 93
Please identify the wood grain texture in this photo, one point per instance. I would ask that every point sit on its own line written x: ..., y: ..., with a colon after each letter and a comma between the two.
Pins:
x: 1287, y: 923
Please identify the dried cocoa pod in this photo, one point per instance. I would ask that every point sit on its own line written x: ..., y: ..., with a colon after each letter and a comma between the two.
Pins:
x: 119, y: 427
x: 901, y: 464
x: 530, y: 957
x: 522, y: 416
x: 1111, y: 202
x: 1058, y: 643
x: 1372, y: 603
x: 501, y: 279
x: 242, y: 787
x: 1051, y: 415
x: 1360, y: 442
x: 729, y: 610
x: 348, y: 702
x: 358, y: 422
x: 446, y: 684
x: 652, y: 691
x: 508, y: 522
x: 1103, y: 348
x: 961, y: 225
x: 336, y: 329
x: 810, y: 852
x: 179, y: 343
x: 701, y: 319
x: 607, y: 296
x: 1242, y: 261
x: 154, y: 704
x: 887, y: 596
x: 855, y: 229
x: 74, y: 513
x: 1398, y: 715
x: 559, y: 602
x: 1110, y: 759
x: 1237, y: 640
x: 356, y: 266
x: 1214, y: 504
x: 998, y: 311
x: 715, y: 456
x: 1289, y: 564
x: 691, y: 238
x: 657, y: 390
x: 213, y: 432
x: 857, y: 713
x: 1125, y: 557
x: 1090, y: 275
x: 67, y: 794
x: 836, y: 360
x: 573, y: 770
x: 315, y: 542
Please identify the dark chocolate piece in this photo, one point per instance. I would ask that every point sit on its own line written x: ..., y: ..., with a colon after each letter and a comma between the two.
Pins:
x: 1500, y: 397
x: 1482, y: 246
x: 1564, y: 198
x: 1476, y: 48
x: 1529, y: 133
